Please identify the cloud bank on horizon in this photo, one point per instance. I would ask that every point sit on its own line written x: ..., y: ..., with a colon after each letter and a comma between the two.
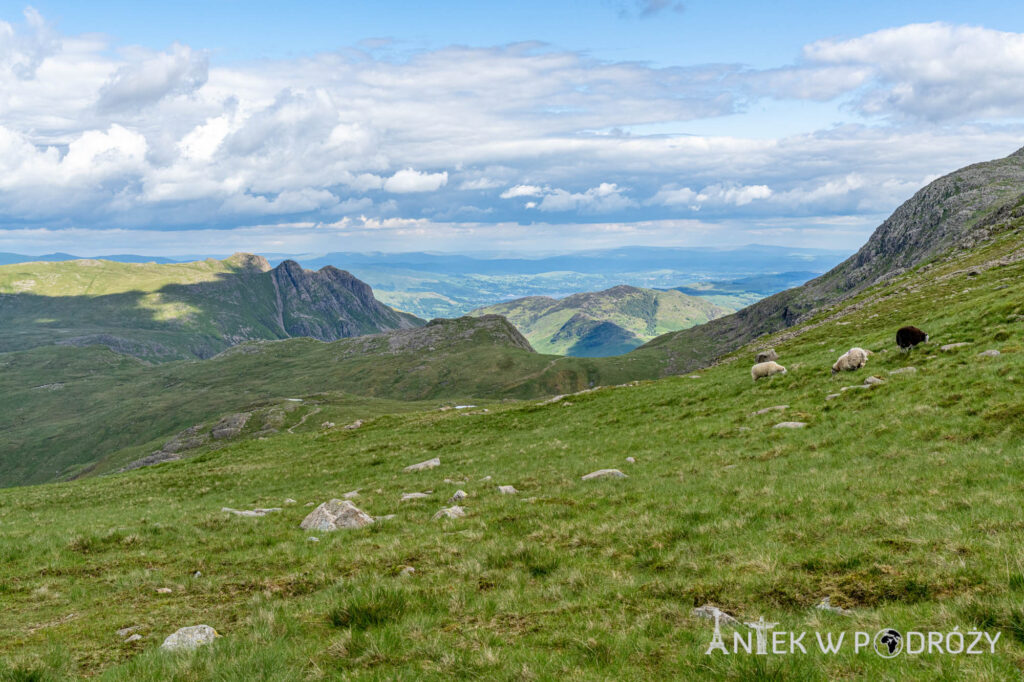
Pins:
x: 465, y: 148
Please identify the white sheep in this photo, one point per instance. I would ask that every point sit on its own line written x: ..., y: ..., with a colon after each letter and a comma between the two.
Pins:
x: 766, y: 369
x: 855, y: 358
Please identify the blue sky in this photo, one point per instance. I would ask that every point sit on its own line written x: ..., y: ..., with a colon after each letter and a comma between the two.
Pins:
x: 210, y: 127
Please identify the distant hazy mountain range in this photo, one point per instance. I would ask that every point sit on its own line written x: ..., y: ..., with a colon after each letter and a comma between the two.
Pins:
x: 448, y: 285
x: 603, y: 323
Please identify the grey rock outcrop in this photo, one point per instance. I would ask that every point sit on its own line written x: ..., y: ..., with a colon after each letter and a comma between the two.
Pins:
x: 230, y: 426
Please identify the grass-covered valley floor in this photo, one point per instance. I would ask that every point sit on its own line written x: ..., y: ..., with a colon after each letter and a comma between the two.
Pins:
x: 900, y: 502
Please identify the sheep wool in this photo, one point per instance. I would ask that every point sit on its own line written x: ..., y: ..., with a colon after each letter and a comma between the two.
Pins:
x: 766, y: 369
x: 855, y: 358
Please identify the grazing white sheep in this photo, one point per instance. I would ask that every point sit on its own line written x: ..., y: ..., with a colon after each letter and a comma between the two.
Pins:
x: 855, y: 358
x: 766, y: 369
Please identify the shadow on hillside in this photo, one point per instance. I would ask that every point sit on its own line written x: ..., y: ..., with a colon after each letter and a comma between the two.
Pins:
x: 200, y: 319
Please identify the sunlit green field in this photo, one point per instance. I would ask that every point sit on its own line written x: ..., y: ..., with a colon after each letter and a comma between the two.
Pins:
x: 900, y: 502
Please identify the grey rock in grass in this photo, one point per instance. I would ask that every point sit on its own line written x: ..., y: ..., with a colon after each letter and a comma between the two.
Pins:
x: 605, y: 473
x: 164, y: 590
x: 486, y: 478
x: 422, y: 466
x: 335, y: 515
x: 386, y: 517
x: 853, y: 388
x: 250, y: 512
x: 904, y: 370
x: 455, y: 512
x: 414, y: 496
x: 407, y: 571
x: 790, y: 425
x: 773, y: 408
x: 954, y: 346
x: 134, y: 638
x: 309, y: 504
x: 631, y: 460
x: 458, y: 496
x: 826, y: 605
x: 230, y: 426
x: 124, y: 632
x: 350, y: 494
x: 327, y: 425
x: 507, y: 490
x: 988, y: 353
x: 354, y: 425
x: 873, y: 381
x: 289, y: 500
x: 313, y: 538
x: 710, y: 612
x: 832, y: 396
x: 192, y: 637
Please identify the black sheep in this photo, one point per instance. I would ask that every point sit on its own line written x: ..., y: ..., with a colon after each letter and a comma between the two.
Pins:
x: 908, y: 337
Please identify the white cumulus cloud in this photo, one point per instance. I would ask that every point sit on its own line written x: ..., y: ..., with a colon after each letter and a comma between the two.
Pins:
x: 408, y: 181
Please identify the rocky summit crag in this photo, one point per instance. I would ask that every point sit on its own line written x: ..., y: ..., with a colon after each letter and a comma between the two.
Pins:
x: 161, y: 312
x: 954, y: 213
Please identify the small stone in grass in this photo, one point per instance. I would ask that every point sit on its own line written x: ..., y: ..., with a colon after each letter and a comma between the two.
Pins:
x: 604, y: 473
x: 455, y: 512
x: 422, y: 466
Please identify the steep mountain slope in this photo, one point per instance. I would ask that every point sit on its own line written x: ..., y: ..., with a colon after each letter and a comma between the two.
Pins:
x: 898, y: 502
x: 603, y: 323
x: 66, y: 411
x: 162, y: 312
x: 955, y: 212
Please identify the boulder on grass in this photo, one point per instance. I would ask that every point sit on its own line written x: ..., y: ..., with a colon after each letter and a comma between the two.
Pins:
x: 334, y: 515
x: 192, y: 637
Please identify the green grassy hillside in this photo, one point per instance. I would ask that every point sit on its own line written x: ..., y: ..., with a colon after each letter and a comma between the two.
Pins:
x: 899, y: 502
x: 71, y: 411
x: 162, y: 312
x: 603, y: 323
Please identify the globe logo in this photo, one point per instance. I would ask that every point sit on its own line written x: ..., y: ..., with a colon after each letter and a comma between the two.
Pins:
x: 888, y: 643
